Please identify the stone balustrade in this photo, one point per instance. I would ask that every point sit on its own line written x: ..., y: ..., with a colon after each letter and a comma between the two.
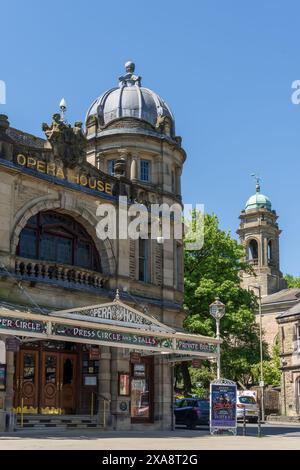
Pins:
x: 36, y: 270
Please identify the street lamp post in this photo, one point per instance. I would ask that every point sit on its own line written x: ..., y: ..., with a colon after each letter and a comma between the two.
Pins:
x: 261, y: 352
x: 217, y: 310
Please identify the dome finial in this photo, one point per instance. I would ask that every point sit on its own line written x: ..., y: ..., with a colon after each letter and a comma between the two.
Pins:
x: 257, y: 181
x: 129, y: 79
x: 129, y: 66
x: 63, y: 108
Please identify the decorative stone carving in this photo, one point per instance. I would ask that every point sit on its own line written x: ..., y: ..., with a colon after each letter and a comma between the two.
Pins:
x: 68, y: 144
x: 129, y: 79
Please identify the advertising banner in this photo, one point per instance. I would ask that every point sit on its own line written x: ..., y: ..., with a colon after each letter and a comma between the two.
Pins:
x: 222, y: 406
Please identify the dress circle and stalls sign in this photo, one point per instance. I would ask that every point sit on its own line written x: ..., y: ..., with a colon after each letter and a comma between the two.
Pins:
x: 223, y: 406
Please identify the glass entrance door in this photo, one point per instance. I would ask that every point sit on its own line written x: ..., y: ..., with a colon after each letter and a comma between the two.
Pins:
x: 26, y: 385
x: 141, y: 391
x: 58, y: 394
x: 50, y: 384
x: 67, y: 383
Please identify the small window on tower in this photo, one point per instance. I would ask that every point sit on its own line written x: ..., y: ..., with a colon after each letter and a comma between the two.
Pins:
x: 111, y: 167
x: 145, y: 170
x: 253, y: 251
x: 270, y: 251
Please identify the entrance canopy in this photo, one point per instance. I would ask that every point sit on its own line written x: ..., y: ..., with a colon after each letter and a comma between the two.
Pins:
x: 114, y: 324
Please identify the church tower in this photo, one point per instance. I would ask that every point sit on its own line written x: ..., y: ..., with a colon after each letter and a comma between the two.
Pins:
x: 259, y: 233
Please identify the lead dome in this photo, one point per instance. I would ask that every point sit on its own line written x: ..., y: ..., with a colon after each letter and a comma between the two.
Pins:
x: 131, y: 100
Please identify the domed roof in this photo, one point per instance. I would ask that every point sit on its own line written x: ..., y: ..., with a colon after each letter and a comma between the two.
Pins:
x: 130, y: 99
x: 258, y: 200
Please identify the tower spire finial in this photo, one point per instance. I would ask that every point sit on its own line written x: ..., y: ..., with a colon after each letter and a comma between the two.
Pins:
x: 258, y: 180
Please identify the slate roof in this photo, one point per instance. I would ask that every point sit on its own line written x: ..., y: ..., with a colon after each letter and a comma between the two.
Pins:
x: 284, y: 295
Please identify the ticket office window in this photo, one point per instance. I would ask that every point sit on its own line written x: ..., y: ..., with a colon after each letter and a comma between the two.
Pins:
x: 142, y: 391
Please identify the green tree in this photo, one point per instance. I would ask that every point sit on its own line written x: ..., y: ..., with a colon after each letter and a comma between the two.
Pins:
x: 292, y: 281
x: 214, y: 271
x: 271, y: 368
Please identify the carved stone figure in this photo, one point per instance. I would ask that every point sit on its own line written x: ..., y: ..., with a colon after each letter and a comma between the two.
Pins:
x: 129, y: 79
x: 68, y: 144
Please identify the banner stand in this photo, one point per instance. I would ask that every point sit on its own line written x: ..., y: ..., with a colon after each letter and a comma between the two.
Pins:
x: 223, y: 419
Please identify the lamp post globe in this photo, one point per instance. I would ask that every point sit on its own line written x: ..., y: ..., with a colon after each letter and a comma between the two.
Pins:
x: 217, y: 309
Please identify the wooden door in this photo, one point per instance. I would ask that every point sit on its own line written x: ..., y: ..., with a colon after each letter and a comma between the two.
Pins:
x: 68, y: 383
x: 26, y: 386
x: 50, y: 383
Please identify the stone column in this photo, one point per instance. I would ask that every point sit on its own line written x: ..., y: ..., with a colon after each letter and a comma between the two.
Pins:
x: 162, y: 393
x: 104, y: 391
x: 2, y: 393
x: 10, y: 370
x: 120, y: 405
x: 133, y: 170
x: 266, y: 251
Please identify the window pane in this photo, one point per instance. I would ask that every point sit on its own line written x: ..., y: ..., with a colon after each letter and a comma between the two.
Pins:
x: 50, y: 369
x: 29, y: 368
x: 27, y: 246
x: 145, y: 170
x: 83, y: 255
x: 55, y: 248
x: 143, y: 260
x: 140, y: 402
x: 110, y: 167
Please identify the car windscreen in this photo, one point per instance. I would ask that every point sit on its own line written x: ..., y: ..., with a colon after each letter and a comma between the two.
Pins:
x: 203, y: 404
x: 247, y: 400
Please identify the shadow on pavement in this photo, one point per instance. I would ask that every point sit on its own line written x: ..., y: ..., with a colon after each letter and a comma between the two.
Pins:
x: 179, y: 432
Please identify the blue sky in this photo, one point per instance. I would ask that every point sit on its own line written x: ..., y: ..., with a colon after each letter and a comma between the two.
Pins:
x: 224, y: 67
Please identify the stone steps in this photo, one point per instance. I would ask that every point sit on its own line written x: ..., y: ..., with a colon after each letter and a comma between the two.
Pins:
x: 57, y: 421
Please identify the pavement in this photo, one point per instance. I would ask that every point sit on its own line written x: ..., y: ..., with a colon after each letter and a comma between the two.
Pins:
x: 284, y: 437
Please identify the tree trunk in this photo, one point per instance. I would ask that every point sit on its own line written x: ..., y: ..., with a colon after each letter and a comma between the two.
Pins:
x: 186, y: 377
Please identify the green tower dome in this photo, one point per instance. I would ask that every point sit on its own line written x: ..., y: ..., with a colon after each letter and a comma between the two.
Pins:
x: 258, y: 200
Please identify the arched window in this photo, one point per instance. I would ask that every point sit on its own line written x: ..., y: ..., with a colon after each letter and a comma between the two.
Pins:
x: 253, y: 250
x: 270, y: 251
x: 51, y: 236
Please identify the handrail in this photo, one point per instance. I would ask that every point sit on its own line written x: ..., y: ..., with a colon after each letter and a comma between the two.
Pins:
x: 105, y: 401
x: 22, y: 412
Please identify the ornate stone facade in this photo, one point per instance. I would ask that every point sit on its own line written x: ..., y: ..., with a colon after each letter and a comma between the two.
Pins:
x: 66, y: 178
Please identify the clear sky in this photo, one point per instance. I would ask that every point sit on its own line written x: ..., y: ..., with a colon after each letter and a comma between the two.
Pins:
x: 224, y: 67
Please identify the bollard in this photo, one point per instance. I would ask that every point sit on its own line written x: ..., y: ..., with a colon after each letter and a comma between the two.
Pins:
x: 22, y: 412
x: 258, y: 426
x: 92, y: 405
x: 104, y: 414
x: 244, y: 422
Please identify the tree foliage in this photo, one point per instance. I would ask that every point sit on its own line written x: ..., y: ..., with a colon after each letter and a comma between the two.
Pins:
x: 214, y: 271
x: 292, y: 281
x: 271, y: 368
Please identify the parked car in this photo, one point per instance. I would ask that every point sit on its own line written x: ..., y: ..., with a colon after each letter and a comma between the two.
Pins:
x: 247, y: 405
x: 191, y: 412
